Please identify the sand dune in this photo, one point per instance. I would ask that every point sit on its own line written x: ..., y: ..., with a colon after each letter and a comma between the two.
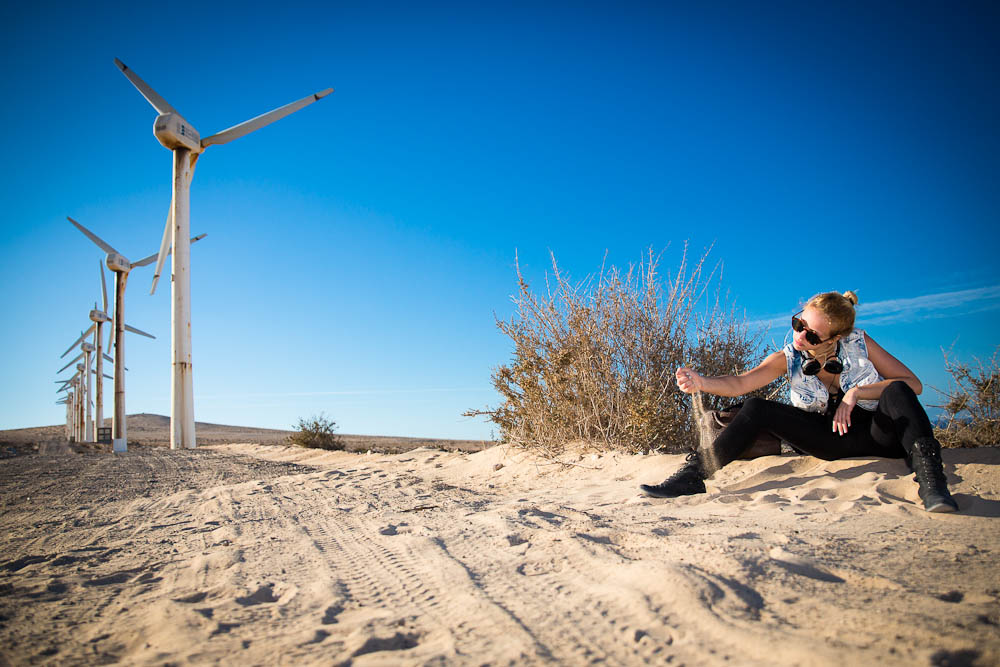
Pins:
x: 256, y: 554
x: 150, y: 430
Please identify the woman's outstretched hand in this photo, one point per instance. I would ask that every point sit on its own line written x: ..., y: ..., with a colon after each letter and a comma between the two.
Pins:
x: 842, y: 419
x: 689, y: 381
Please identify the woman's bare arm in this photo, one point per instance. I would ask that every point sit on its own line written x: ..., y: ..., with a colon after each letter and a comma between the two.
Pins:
x: 769, y: 370
x: 890, y: 368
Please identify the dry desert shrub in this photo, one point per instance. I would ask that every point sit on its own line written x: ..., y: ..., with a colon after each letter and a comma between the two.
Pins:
x: 594, y: 361
x: 317, y: 432
x: 973, y: 403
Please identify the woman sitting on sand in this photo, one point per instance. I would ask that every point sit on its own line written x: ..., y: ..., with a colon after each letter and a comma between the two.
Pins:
x: 849, y: 398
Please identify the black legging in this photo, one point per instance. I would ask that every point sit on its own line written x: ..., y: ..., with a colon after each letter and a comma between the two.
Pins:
x: 889, y: 431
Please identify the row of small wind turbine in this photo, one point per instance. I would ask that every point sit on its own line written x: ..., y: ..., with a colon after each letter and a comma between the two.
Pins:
x: 73, y: 423
x: 120, y: 266
x: 98, y: 318
x: 77, y: 420
x: 177, y: 135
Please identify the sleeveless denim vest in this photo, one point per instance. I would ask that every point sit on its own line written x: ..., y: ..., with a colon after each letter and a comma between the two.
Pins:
x: 810, y: 394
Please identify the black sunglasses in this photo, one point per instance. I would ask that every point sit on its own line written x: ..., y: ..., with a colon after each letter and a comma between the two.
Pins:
x: 811, y: 336
x: 832, y: 365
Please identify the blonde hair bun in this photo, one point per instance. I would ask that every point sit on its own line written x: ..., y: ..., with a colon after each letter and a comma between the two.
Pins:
x: 838, y: 308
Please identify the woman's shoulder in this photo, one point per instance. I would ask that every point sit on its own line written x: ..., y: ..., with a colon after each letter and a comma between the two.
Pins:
x: 855, y: 335
x: 855, y: 344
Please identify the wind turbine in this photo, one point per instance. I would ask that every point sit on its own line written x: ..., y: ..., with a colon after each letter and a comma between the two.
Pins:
x: 177, y: 135
x: 121, y: 267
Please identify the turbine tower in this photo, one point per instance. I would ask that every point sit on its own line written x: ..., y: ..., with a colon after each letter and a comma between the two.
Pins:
x: 177, y: 135
x: 99, y: 318
x: 83, y: 399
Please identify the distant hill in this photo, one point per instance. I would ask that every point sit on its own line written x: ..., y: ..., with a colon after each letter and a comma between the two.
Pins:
x: 149, y: 430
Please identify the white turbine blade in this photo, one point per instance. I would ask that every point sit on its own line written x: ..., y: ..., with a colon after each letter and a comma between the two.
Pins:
x: 70, y: 363
x: 108, y: 376
x: 104, y: 289
x: 151, y: 95
x: 164, y: 247
x: 249, y: 126
x: 94, y: 237
x: 78, y: 340
x: 148, y: 260
x: 143, y: 333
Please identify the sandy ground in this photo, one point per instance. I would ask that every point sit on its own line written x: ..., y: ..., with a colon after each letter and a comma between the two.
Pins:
x: 260, y: 555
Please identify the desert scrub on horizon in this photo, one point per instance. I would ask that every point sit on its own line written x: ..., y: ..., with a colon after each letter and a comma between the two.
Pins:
x: 972, y: 403
x: 317, y: 432
x: 594, y: 361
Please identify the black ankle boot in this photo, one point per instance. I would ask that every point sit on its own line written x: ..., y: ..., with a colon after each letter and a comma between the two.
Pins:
x: 929, y: 471
x: 687, y: 481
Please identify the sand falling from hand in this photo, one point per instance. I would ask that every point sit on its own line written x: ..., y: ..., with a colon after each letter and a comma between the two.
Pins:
x: 706, y: 436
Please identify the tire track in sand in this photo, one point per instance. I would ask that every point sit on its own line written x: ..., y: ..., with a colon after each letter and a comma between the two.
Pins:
x: 393, y: 579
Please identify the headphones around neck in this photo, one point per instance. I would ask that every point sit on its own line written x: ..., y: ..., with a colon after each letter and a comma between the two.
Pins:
x: 832, y: 365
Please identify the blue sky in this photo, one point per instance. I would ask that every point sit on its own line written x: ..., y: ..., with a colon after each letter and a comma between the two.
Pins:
x: 358, y: 250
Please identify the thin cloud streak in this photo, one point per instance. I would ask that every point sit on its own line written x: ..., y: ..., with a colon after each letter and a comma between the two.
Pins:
x: 926, y: 307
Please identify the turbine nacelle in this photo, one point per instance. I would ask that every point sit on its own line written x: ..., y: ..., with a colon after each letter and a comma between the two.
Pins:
x: 117, y: 263
x: 87, y: 347
x: 99, y: 316
x: 174, y: 132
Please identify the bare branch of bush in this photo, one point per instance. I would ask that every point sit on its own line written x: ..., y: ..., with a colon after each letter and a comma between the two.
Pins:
x: 594, y: 361
x: 973, y: 403
x: 317, y: 432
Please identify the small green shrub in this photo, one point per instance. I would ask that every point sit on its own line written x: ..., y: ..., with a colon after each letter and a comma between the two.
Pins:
x: 973, y: 403
x: 317, y: 432
x: 594, y: 361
